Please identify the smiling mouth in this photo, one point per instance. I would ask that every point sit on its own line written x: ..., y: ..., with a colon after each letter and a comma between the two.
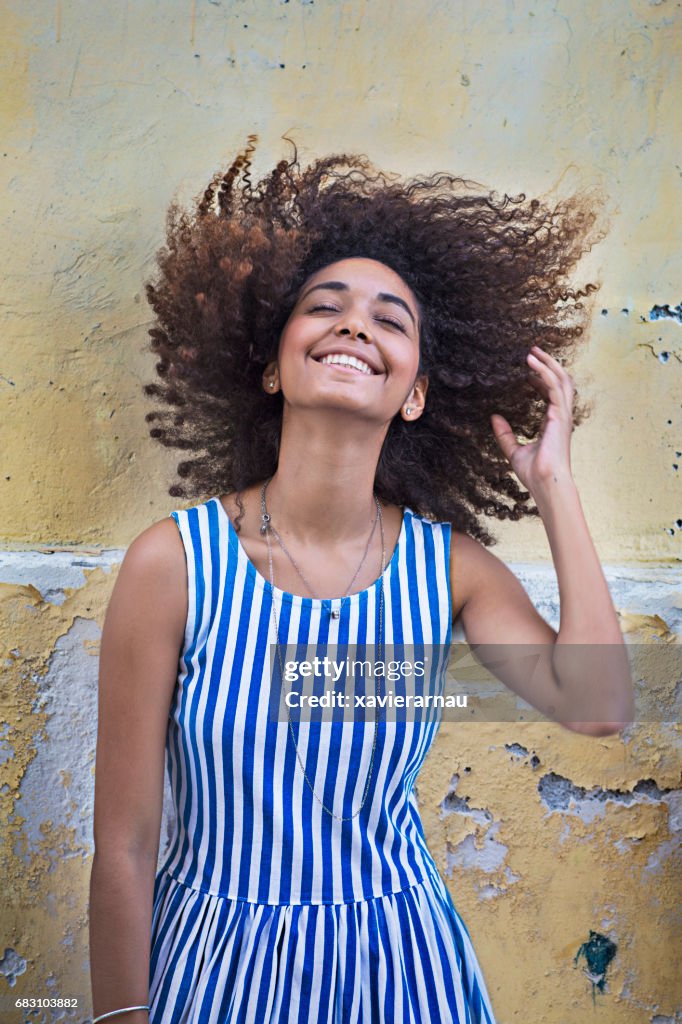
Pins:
x: 349, y: 363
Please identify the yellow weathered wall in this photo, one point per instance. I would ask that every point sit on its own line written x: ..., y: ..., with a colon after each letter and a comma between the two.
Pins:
x: 107, y: 111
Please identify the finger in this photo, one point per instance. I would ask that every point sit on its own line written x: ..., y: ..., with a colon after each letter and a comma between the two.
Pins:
x: 550, y: 361
x: 539, y: 384
x: 504, y: 435
x: 555, y: 385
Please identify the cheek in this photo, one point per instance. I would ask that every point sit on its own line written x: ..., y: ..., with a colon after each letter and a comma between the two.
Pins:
x: 406, y: 361
x: 287, y: 345
x: 292, y: 340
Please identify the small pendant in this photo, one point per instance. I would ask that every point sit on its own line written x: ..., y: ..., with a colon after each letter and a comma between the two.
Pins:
x: 335, y: 613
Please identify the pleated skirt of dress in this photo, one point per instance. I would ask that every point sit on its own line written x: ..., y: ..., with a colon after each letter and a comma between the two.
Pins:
x: 405, y: 957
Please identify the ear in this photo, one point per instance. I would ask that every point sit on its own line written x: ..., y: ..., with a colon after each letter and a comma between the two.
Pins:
x: 270, y: 378
x: 413, y: 406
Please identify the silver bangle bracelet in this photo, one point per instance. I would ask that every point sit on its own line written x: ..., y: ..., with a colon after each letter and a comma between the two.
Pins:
x: 113, y: 1013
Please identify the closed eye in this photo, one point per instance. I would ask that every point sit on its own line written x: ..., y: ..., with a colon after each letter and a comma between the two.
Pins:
x: 392, y: 322
x: 382, y: 320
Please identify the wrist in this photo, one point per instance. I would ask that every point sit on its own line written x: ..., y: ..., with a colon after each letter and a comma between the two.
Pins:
x: 132, y: 1014
x: 551, y: 485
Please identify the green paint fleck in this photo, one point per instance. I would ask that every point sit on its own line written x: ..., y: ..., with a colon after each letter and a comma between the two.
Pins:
x: 598, y: 952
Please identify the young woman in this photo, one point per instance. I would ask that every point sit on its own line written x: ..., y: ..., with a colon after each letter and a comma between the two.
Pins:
x: 335, y: 346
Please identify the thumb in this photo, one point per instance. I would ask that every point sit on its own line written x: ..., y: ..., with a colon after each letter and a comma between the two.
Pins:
x: 504, y: 435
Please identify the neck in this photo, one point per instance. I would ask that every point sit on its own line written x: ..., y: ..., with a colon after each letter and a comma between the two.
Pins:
x: 323, y: 488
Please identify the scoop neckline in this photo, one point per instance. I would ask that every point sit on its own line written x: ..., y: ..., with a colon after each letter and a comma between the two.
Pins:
x: 314, y: 602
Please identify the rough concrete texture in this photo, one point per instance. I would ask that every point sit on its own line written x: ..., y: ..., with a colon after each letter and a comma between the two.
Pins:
x: 559, y: 850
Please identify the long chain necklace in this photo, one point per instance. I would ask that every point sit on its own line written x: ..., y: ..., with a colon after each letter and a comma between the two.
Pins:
x: 266, y: 527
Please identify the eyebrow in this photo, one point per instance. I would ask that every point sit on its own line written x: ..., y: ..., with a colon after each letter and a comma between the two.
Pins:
x: 340, y: 286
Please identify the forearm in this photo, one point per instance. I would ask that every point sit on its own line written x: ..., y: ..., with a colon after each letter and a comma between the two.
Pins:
x: 587, y: 611
x: 121, y: 894
x: 590, y: 657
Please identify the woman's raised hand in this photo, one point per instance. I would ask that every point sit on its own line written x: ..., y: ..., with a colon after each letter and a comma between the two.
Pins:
x: 548, y: 457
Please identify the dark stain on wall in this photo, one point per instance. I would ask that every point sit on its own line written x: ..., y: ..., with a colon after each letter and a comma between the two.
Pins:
x: 598, y: 951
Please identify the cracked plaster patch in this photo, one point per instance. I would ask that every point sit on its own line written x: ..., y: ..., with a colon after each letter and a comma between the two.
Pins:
x: 559, y: 794
x: 11, y: 966
x: 58, y: 785
x: 53, y: 573
x: 487, y: 854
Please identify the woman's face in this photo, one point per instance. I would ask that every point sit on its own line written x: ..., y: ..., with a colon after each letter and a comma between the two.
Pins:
x: 361, y: 312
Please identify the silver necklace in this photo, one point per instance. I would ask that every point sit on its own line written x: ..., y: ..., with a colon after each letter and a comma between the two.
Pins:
x: 266, y: 527
x: 267, y: 523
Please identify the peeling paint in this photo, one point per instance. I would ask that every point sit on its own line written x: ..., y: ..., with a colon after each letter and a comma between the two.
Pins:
x: 69, y: 700
x: 516, y: 748
x: 663, y: 356
x: 488, y: 856
x: 666, y: 312
x: 58, y: 571
x: 480, y: 852
x: 11, y: 966
x: 560, y: 794
x: 519, y: 751
x: 453, y: 804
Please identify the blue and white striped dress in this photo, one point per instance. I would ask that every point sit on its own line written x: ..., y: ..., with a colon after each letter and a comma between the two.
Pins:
x: 266, y: 907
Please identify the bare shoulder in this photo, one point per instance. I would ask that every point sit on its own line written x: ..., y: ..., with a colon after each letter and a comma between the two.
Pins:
x: 159, y: 542
x: 158, y: 550
x: 153, y: 575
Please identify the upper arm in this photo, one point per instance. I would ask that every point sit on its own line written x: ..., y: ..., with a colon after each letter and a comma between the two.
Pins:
x: 492, y: 602
x: 511, y: 639
x: 141, y: 643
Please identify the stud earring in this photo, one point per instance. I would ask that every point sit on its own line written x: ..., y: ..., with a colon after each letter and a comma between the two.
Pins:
x: 408, y: 411
x: 271, y: 384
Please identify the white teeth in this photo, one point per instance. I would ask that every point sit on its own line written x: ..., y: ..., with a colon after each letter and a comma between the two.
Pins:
x: 345, y: 360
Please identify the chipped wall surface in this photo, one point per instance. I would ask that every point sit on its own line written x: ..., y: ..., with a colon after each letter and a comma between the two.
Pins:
x: 560, y: 851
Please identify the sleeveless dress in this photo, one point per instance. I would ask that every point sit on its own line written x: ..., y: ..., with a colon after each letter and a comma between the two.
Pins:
x: 266, y: 908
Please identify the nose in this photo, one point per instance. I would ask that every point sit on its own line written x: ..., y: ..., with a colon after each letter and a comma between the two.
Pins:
x: 354, y: 327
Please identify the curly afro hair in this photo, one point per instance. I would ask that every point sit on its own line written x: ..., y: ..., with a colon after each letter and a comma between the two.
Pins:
x: 490, y: 274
